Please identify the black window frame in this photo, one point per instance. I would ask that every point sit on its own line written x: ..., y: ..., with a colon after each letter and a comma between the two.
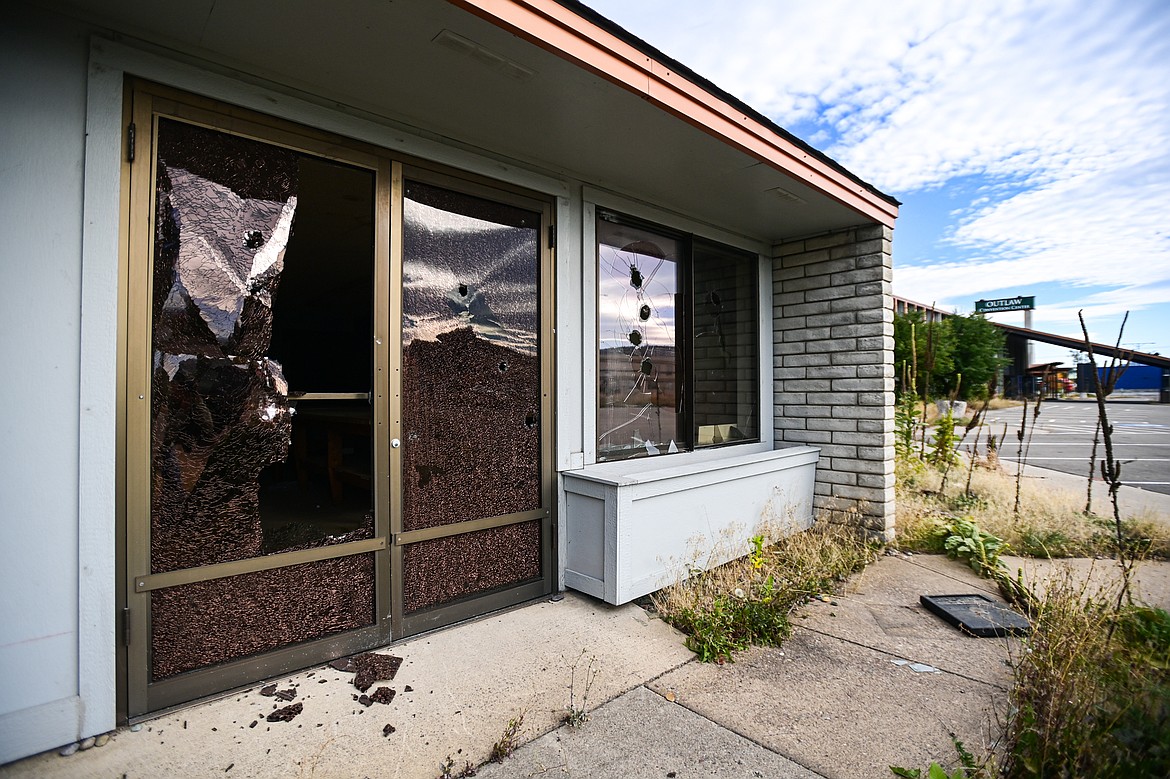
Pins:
x: 685, y: 317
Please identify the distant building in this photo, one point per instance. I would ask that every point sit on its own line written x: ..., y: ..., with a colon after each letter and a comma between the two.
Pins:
x: 929, y: 313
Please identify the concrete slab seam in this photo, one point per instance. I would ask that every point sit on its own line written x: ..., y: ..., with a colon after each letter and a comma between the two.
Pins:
x: 742, y: 735
x: 968, y: 585
x: 560, y: 724
x: 891, y: 654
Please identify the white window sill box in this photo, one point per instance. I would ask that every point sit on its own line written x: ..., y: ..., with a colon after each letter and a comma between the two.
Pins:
x: 635, y: 526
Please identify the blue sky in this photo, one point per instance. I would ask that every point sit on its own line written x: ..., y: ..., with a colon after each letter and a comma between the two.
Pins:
x: 1028, y: 141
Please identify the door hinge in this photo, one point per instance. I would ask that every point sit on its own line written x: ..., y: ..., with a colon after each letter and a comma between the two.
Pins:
x: 126, y: 627
x: 130, y: 143
x: 552, y: 236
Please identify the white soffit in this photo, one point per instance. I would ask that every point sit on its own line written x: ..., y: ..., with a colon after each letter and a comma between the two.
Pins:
x: 437, y: 68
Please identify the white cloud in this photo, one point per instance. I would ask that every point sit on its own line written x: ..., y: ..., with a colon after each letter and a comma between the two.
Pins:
x: 1061, y: 109
x: 1105, y: 229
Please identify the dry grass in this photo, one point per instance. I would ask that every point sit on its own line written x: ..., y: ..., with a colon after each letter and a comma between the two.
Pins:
x: 747, y: 601
x: 1051, y: 521
x: 1092, y: 687
x: 998, y: 403
x: 995, y: 404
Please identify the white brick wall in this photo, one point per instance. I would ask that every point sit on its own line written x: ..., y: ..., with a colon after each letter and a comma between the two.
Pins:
x: 833, y: 373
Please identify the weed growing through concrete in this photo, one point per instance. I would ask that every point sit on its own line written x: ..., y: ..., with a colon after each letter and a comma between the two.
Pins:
x: 508, y: 740
x: 748, y: 601
x: 447, y: 769
x: 969, y: 768
x: 577, y: 712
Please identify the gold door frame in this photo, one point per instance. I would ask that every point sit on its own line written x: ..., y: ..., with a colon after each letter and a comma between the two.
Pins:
x: 465, y: 608
x: 149, y: 103
x: 138, y: 696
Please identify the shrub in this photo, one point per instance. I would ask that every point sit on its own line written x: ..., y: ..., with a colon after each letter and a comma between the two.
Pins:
x: 1092, y: 689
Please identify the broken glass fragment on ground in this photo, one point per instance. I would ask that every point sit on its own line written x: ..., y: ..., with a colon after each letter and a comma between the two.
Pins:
x: 369, y: 668
x: 286, y: 714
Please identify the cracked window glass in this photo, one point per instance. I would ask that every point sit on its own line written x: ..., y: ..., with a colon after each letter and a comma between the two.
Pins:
x: 638, y: 289
x: 262, y: 291
x: 471, y: 368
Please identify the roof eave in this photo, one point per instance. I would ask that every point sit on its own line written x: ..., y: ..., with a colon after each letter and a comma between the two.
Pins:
x: 576, y: 33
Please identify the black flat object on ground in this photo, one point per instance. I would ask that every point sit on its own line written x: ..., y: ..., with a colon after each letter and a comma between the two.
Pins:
x: 976, y: 614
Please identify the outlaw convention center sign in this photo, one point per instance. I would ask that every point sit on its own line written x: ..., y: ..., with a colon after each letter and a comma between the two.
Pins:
x: 1018, y: 303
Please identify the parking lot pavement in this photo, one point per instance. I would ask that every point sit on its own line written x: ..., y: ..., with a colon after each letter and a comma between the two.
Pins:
x: 1063, y: 439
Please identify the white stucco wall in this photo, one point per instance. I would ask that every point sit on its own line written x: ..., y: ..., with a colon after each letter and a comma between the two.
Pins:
x: 43, y: 66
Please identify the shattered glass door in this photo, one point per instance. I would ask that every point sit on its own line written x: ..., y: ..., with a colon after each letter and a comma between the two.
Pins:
x: 474, y: 516
x: 260, y: 424
x: 337, y: 411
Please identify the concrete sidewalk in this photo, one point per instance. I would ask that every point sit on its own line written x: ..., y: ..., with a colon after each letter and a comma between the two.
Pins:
x: 839, y: 699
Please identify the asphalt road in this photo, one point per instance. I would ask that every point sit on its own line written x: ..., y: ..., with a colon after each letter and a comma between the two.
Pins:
x: 1063, y: 439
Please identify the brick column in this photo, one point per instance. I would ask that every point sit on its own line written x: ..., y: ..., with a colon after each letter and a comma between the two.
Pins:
x: 833, y: 367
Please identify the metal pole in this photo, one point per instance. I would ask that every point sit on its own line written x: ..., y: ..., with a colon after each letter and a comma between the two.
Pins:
x: 1028, y: 325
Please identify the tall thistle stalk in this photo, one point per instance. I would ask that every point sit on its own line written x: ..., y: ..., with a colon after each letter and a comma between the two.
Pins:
x: 1111, y: 466
x: 951, y: 457
x: 1092, y: 469
x: 977, y: 423
x: 1024, y: 436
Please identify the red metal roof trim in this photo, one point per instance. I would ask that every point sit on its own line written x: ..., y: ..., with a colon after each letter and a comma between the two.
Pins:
x: 557, y: 29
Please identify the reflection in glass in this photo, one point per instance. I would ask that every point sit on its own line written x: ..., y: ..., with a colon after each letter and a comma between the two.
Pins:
x: 471, y: 378
x: 725, y: 349
x: 638, y: 354
x: 254, y: 245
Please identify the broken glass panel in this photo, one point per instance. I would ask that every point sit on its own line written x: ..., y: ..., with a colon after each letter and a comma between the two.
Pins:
x: 639, y: 396
x: 726, y: 353
x: 211, y: 622
x: 443, y: 569
x: 471, y: 373
x: 235, y: 219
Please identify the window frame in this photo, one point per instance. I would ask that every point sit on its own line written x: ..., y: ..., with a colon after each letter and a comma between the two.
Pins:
x: 691, y: 234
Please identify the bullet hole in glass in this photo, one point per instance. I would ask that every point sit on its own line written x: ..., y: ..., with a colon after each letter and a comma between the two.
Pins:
x: 426, y: 473
x: 253, y: 239
x: 713, y: 298
x: 644, y: 312
x: 635, y: 277
x: 503, y: 366
x: 463, y: 290
x: 647, y: 366
x: 530, y: 420
x: 635, y: 337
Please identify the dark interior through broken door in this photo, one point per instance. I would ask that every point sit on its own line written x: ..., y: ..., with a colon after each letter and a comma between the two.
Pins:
x: 261, y: 422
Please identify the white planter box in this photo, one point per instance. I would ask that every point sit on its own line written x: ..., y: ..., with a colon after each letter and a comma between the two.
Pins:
x: 637, y: 525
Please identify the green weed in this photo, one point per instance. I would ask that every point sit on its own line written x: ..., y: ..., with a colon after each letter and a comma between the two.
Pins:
x: 577, y: 712
x: 962, y: 539
x: 748, y: 601
x: 508, y: 740
x: 969, y: 768
x: 1088, y: 703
